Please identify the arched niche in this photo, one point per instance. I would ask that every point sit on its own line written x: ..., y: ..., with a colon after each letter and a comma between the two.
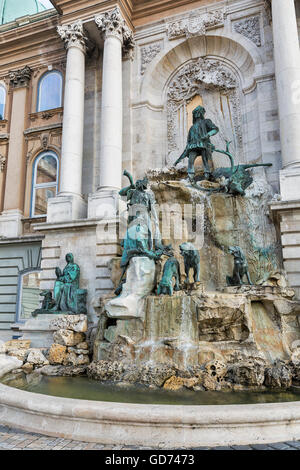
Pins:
x: 232, y: 57
x: 215, y: 85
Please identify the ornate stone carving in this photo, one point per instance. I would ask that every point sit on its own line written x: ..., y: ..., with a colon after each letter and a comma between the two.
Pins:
x: 20, y: 78
x: 250, y: 28
x: 212, y: 72
x: 112, y: 23
x: 197, y: 75
x: 2, y: 162
x: 194, y: 25
x: 44, y: 140
x: 147, y: 55
x: 73, y: 35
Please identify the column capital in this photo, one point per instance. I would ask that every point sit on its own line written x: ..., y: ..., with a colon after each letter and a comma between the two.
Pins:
x: 73, y: 35
x: 112, y: 23
x: 20, y: 78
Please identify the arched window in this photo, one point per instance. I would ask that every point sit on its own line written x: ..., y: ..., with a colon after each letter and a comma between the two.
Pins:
x: 44, y: 182
x: 2, y: 101
x: 50, y: 91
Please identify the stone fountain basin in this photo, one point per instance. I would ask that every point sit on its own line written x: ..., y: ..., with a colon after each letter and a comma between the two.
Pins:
x: 163, y: 426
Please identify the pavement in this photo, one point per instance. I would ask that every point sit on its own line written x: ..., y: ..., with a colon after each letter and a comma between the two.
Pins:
x: 14, y: 439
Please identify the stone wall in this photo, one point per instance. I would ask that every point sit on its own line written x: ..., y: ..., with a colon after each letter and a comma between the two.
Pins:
x: 14, y: 258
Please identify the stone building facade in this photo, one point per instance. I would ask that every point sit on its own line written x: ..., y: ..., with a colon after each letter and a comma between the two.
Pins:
x: 90, y: 88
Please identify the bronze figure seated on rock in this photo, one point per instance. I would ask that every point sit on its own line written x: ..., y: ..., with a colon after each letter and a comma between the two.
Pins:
x: 68, y: 298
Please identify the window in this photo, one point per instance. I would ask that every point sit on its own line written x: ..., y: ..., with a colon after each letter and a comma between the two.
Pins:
x: 28, y: 293
x: 50, y: 91
x: 2, y: 101
x: 45, y: 182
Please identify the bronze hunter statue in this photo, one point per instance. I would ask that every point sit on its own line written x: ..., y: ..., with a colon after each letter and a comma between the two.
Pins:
x: 199, y: 144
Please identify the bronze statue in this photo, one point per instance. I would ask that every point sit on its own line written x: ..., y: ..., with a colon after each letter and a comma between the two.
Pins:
x: 141, y: 205
x: 191, y: 261
x: 198, y: 143
x: 139, y: 239
x: 48, y: 301
x: 67, y: 297
x: 171, y: 271
x: 66, y: 285
x: 240, y: 268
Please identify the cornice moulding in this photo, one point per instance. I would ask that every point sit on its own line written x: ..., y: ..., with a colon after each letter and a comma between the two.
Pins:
x: 36, y: 130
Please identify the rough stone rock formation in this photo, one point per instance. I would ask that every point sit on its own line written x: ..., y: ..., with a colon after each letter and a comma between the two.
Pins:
x: 57, y: 354
x: 68, y: 355
x: 250, y: 373
x: 77, y: 323
x: 278, y: 376
x: 36, y: 357
x: 231, y: 338
x: 8, y: 363
x: 215, y: 221
x: 68, y: 337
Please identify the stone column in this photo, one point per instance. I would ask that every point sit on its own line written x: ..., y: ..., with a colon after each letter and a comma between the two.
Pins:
x: 287, y: 71
x: 69, y: 204
x: 10, y: 219
x: 117, y: 36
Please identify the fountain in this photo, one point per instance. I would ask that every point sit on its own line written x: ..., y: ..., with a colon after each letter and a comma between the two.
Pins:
x: 215, y: 331
x: 200, y: 306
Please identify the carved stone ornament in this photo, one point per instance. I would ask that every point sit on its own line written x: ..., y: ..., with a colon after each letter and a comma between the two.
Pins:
x: 148, y: 53
x: 190, y: 80
x: 73, y: 35
x: 112, y: 23
x: 44, y: 138
x: 194, y: 25
x: 250, y: 28
x: 2, y: 162
x: 20, y: 78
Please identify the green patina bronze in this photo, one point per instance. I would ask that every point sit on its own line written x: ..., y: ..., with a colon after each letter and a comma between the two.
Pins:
x: 199, y: 144
x: 240, y: 268
x: 171, y: 271
x: 191, y: 259
x: 67, y: 297
x: 237, y: 179
x: 139, y: 240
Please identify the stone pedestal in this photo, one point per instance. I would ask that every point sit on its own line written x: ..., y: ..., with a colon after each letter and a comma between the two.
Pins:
x: 65, y: 208
x: 104, y: 204
x: 140, y: 282
x: 39, y: 330
x: 11, y: 224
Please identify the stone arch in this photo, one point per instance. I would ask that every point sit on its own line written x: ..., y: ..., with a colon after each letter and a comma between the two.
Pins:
x: 234, y: 51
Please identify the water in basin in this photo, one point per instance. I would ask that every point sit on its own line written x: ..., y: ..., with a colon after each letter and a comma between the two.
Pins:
x: 88, y: 389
